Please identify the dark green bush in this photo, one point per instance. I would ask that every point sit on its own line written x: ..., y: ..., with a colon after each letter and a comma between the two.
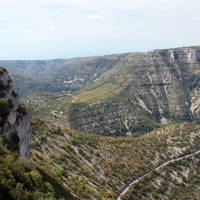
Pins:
x: 23, y: 109
x: 13, y: 144
x: 2, y: 94
x: 15, y: 94
x: 20, y: 180
x: 4, y: 107
x: 2, y: 70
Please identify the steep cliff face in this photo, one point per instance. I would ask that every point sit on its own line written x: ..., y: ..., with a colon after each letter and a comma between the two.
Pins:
x: 14, y: 117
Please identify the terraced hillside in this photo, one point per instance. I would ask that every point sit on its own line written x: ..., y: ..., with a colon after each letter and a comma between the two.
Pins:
x: 97, y: 167
x: 126, y: 94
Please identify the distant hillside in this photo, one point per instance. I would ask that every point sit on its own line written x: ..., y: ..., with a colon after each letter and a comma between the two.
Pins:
x: 32, y: 67
x: 124, y: 94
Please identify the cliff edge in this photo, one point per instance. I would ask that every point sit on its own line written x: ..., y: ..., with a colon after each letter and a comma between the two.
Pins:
x: 14, y: 116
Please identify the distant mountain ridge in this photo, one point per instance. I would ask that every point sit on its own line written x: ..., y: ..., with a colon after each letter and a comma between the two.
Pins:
x: 120, y: 94
x: 32, y: 67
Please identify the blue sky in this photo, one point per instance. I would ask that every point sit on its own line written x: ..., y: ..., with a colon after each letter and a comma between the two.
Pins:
x: 48, y: 29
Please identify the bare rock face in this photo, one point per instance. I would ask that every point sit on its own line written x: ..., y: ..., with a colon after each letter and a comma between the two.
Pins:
x: 188, y: 55
x: 14, y: 117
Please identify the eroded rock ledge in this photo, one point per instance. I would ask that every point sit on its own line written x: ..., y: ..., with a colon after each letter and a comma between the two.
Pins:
x: 14, y: 116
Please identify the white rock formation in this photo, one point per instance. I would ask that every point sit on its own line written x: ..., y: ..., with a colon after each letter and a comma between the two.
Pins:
x: 15, y: 122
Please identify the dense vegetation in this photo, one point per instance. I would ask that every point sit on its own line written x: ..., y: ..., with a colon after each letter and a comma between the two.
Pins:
x: 97, y: 167
x: 178, y: 180
x: 65, y: 162
x: 4, y: 107
x: 20, y: 179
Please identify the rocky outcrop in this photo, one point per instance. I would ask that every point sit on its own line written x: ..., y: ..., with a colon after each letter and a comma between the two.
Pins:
x: 188, y: 55
x: 14, y: 116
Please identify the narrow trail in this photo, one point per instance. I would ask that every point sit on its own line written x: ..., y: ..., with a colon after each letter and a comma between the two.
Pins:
x: 135, y: 180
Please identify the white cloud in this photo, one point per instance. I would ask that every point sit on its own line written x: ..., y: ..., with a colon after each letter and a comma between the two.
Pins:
x: 49, y: 28
x: 95, y: 17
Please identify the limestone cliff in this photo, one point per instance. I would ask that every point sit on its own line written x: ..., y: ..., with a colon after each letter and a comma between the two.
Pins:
x: 14, y: 117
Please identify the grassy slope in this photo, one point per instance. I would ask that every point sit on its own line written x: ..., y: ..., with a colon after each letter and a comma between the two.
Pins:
x: 96, y: 167
x: 113, y: 81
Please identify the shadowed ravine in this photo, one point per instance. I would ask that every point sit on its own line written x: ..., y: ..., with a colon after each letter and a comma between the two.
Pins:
x: 125, y: 189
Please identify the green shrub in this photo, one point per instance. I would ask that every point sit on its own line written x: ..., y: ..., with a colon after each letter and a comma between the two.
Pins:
x: 15, y: 94
x: 2, y: 94
x: 4, y: 107
x: 23, y: 109
x: 20, y: 180
x: 2, y: 70
x: 13, y: 144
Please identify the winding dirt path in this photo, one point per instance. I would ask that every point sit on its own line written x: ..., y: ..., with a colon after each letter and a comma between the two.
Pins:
x: 135, y: 180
